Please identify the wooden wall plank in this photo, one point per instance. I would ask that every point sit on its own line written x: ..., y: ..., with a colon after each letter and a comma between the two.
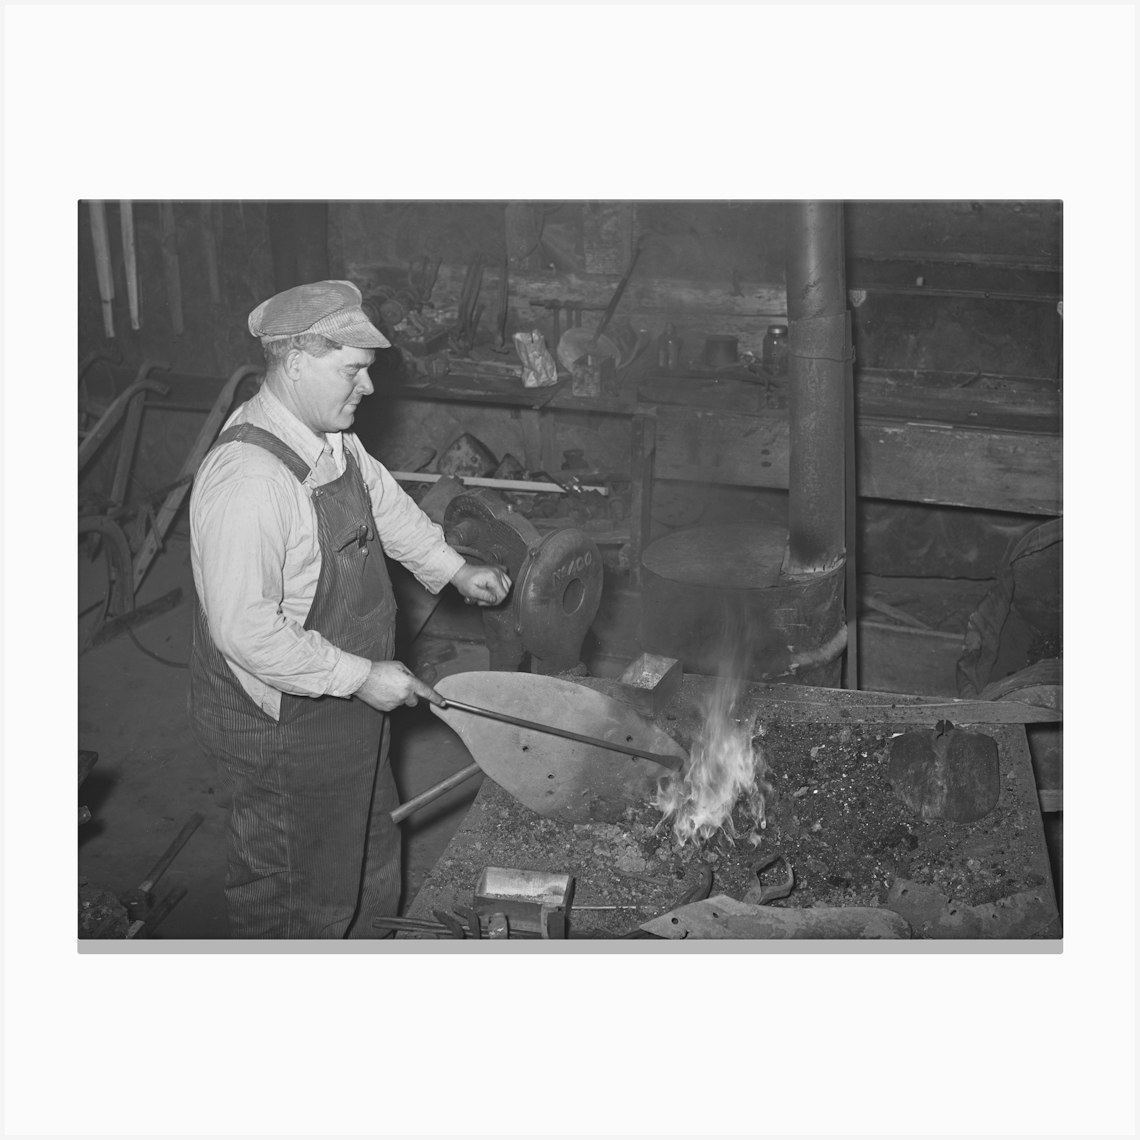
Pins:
x: 910, y: 462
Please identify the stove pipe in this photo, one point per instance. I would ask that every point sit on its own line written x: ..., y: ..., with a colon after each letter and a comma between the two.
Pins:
x: 819, y: 338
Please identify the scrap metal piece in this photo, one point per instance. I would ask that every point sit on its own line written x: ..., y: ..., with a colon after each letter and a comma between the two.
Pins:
x: 650, y: 682
x: 724, y: 917
x: 932, y: 914
x: 761, y: 894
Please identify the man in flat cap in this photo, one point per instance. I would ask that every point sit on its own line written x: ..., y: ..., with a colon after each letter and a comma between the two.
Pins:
x: 291, y: 669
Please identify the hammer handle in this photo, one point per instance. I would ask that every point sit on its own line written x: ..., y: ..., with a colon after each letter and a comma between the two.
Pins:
x: 433, y: 793
x: 180, y: 840
x: 672, y: 762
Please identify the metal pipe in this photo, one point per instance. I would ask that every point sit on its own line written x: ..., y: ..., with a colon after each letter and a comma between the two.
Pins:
x: 819, y: 350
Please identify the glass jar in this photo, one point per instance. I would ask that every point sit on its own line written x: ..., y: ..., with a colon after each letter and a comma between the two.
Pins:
x: 774, y: 358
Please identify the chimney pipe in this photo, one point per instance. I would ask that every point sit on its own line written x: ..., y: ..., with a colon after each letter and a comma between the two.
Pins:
x: 819, y: 338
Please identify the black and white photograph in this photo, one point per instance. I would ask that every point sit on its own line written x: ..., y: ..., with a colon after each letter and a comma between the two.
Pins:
x: 569, y: 629
x: 570, y: 570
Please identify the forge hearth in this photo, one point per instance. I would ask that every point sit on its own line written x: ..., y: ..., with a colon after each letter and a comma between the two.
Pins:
x: 831, y: 814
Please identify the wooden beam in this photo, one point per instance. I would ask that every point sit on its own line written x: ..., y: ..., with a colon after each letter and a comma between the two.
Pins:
x: 820, y: 705
x: 678, y: 298
x: 879, y: 393
x: 932, y: 463
x: 965, y: 467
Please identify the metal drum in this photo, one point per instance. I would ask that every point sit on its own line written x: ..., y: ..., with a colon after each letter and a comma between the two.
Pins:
x: 713, y: 596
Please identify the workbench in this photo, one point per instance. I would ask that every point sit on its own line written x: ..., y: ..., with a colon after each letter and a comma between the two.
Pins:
x: 832, y: 815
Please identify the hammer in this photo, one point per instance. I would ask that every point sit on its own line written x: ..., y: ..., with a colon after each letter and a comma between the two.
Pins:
x: 140, y: 900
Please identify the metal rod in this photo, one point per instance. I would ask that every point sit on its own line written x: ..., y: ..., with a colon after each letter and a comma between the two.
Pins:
x: 672, y: 762
x: 501, y: 484
x: 433, y: 793
x: 180, y: 840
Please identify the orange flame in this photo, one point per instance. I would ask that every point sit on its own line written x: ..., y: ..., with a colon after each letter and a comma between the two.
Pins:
x: 722, y: 768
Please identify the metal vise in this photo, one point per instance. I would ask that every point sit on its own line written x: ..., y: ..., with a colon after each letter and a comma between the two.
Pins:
x: 557, y: 582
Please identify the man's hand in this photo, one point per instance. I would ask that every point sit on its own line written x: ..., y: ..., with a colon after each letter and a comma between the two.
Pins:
x: 483, y: 585
x: 391, y: 683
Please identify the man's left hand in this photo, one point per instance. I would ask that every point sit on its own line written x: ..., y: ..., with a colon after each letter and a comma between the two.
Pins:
x: 483, y: 585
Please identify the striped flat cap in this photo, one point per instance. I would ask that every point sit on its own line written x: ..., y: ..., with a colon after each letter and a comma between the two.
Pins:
x: 330, y: 308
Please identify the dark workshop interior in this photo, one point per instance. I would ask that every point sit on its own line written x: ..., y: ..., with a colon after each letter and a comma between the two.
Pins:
x: 778, y: 486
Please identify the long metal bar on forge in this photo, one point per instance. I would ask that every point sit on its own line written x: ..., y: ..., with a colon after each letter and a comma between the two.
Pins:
x: 819, y: 350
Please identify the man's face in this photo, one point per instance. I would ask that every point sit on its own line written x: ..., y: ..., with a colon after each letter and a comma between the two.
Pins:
x: 331, y: 387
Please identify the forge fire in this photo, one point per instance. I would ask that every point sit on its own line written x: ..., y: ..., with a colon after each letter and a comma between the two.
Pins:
x: 726, y: 766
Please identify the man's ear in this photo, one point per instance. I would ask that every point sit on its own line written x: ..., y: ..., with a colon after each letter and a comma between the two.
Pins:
x: 293, y: 364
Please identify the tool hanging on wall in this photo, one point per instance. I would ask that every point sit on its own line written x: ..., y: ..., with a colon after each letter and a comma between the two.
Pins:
x: 463, y: 338
x: 103, y: 264
x: 611, y: 308
x: 127, y: 227
x: 502, y: 342
x: 169, y: 230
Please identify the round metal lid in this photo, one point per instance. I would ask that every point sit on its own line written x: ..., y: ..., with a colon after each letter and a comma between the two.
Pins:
x: 723, y: 555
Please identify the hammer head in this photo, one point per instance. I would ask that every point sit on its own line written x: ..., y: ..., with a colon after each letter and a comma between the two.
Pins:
x: 138, y: 902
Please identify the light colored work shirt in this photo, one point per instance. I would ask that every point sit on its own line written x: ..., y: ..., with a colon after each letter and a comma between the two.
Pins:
x: 256, y: 556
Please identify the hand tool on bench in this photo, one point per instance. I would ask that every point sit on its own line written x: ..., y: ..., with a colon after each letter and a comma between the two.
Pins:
x: 502, y: 342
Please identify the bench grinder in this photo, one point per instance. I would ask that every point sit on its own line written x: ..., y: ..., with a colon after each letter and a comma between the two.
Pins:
x: 556, y: 582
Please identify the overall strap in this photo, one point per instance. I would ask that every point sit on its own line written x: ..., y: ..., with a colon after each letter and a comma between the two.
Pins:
x: 249, y: 433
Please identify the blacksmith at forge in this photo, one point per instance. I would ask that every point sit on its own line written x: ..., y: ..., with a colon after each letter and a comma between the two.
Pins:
x: 292, y: 675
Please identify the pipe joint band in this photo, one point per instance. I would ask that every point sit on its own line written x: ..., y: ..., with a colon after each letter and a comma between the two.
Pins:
x: 822, y: 338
